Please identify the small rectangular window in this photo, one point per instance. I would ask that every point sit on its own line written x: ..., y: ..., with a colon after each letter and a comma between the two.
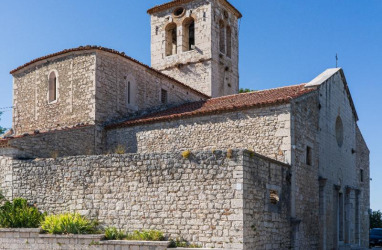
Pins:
x: 164, y: 96
x: 361, y: 175
x: 309, y: 156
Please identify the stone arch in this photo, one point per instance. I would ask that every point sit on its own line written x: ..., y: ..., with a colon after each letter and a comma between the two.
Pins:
x: 171, y: 39
x: 188, y: 34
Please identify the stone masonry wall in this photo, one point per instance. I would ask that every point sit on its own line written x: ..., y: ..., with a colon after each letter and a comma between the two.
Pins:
x: 69, y: 142
x: 264, y: 130
x: 113, y: 74
x: 363, y: 163
x: 75, y: 96
x: 260, y: 179
x: 200, y: 198
x: 205, y: 68
x: 338, y: 165
x: 305, y: 186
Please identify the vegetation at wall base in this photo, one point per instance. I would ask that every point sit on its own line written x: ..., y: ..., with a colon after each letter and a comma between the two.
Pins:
x: 69, y: 223
x: 376, y: 219
x: 112, y: 233
x: 18, y: 214
x: 182, y: 243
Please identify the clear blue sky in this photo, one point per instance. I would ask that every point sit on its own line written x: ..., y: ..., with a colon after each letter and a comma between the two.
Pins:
x: 281, y: 42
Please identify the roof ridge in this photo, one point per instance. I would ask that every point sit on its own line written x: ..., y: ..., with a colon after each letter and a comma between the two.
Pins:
x: 113, y: 51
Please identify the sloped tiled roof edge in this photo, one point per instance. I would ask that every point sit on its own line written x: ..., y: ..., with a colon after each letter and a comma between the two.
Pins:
x: 179, y: 2
x: 257, y: 99
x: 100, y: 48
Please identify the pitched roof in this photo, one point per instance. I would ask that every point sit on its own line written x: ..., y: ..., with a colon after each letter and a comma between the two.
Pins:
x: 263, y: 98
x: 179, y: 2
x: 122, y: 54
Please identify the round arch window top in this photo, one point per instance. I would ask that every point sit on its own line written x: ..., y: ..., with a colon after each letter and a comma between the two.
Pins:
x: 339, y: 131
x: 179, y: 12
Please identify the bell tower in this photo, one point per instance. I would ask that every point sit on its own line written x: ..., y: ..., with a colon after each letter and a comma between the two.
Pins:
x: 196, y: 42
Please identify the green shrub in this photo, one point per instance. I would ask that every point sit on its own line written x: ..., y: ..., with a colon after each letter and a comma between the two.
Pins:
x: 112, y: 233
x: 68, y: 224
x: 18, y: 214
x: 182, y: 243
x: 150, y: 235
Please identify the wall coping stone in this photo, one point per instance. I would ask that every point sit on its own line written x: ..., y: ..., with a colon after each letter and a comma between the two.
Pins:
x: 73, y: 236
x: 20, y: 230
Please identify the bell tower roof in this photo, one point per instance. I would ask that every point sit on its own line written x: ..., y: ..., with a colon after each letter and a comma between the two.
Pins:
x: 175, y: 3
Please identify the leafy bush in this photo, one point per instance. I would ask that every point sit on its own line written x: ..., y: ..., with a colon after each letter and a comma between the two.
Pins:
x: 18, y: 214
x: 376, y: 219
x: 112, y: 233
x: 68, y: 224
x: 150, y: 235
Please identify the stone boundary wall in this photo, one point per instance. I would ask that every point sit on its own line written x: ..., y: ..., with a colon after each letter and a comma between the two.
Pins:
x: 32, y: 239
x: 200, y: 198
x: 264, y: 130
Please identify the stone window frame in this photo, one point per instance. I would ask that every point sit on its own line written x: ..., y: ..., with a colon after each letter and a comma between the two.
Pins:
x: 57, y: 87
x: 133, y: 92
x: 186, y: 23
x: 170, y: 50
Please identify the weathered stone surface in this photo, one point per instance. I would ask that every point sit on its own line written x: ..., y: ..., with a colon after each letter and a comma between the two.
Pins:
x: 208, y: 199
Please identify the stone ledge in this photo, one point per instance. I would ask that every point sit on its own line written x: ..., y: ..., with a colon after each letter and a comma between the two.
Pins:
x: 20, y: 230
x: 74, y: 236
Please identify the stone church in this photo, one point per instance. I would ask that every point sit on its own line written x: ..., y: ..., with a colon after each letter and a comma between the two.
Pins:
x: 175, y: 147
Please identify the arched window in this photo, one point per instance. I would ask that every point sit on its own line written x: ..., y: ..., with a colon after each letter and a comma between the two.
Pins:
x: 222, y: 36
x: 52, y: 95
x: 229, y: 41
x: 188, y: 34
x: 131, y: 90
x: 171, y: 39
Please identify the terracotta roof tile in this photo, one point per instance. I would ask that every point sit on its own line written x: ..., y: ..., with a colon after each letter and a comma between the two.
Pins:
x: 90, y: 47
x: 179, y: 2
x: 222, y: 104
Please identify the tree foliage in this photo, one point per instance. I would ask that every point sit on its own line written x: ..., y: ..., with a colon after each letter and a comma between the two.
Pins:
x: 376, y: 219
x: 2, y: 130
x: 245, y: 90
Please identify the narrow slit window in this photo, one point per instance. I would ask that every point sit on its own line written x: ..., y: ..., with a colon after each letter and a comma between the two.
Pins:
x: 128, y: 92
x: 164, y: 96
x: 229, y: 41
x: 361, y: 175
x: 222, y: 37
x: 309, y: 156
x: 52, y: 87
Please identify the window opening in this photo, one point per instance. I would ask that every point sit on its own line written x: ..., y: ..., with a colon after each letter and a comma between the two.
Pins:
x: 274, y: 197
x: 222, y: 37
x: 229, y: 41
x: 309, y: 156
x: 171, y: 39
x: 164, y: 96
x: 188, y: 34
x: 128, y: 92
x: 52, y: 87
